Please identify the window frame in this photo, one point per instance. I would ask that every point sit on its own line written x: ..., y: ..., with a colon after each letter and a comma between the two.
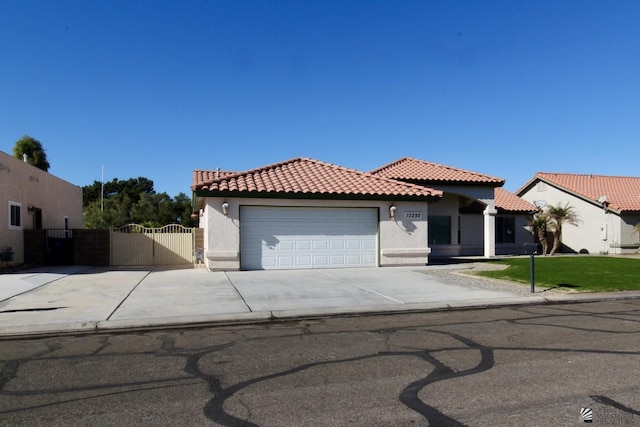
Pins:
x: 503, y: 223
x: 437, y: 229
x: 15, y: 206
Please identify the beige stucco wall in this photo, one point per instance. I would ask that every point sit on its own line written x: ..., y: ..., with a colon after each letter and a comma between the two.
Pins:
x: 599, y: 232
x: 401, y: 241
x: 29, y: 186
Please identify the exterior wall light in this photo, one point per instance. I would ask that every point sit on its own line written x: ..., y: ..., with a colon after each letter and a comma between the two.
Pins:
x: 392, y: 211
x: 225, y: 208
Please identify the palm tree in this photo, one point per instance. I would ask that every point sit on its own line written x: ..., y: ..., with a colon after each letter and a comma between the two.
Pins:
x: 540, y: 223
x: 560, y: 215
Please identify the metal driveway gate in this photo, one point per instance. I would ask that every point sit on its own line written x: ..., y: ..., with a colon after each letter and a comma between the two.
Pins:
x: 59, y: 246
x: 134, y: 244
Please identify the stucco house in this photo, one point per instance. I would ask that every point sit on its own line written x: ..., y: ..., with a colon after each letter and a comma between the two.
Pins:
x: 33, y: 199
x: 304, y: 213
x: 609, y: 208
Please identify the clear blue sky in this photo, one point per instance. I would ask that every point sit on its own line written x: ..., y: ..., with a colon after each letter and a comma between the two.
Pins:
x: 158, y: 88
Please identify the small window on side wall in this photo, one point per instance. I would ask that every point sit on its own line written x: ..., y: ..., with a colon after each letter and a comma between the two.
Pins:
x: 15, y: 215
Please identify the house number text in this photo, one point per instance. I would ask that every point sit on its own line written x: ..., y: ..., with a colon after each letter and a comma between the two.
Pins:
x: 413, y: 215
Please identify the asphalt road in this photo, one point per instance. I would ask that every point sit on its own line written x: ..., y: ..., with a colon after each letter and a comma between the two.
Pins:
x: 517, y: 366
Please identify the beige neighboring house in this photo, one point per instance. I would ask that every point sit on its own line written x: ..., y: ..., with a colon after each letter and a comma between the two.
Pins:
x: 609, y: 207
x: 304, y: 213
x: 33, y: 199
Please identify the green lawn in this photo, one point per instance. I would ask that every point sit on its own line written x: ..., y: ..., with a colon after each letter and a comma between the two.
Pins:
x: 575, y: 273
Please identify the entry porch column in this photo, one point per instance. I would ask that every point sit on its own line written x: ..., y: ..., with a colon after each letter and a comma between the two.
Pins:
x: 490, y: 231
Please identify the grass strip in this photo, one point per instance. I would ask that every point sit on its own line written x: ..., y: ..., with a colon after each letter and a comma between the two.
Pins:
x: 573, y: 273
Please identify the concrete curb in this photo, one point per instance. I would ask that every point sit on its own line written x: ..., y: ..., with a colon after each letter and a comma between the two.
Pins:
x: 199, y: 321
x: 47, y: 329
x: 181, y: 321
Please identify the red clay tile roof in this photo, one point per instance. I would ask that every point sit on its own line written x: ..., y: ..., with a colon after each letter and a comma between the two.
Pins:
x: 419, y: 170
x: 201, y: 176
x: 307, y: 176
x: 623, y: 192
x: 509, y: 202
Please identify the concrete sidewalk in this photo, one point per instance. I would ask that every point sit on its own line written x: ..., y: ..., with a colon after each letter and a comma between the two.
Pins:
x: 89, y: 299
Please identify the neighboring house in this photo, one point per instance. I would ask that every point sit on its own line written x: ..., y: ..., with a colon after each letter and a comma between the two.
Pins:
x: 33, y: 199
x: 304, y: 213
x: 609, y: 208
x: 463, y: 223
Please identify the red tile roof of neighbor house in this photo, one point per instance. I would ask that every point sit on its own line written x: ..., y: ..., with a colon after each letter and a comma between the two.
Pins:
x: 420, y: 170
x: 623, y: 192
x: 304, y: 176
x: 507, y: 201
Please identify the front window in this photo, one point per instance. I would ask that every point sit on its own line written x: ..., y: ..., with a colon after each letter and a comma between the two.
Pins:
x: 15, y: 215
x: 505, y: 229
x: 440, y: 230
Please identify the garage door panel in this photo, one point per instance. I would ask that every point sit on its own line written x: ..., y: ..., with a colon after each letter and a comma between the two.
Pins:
x: 285, y: 261
x: 353, y: 260
x: 368, y: 244
x: 307, y: 237
x: 354, y: 245
x: 303, y: 245
x: 337, y: 260
x: 337, y: 244
x: 269, y: 262
x: 368, y: 259
x: 321, y: 261
x: 320, y: 244
x: 303, y: 262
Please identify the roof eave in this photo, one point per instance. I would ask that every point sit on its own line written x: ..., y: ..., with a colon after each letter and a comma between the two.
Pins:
x: 527, y: 185
x: 516, y: 211
x: 316, y: 196
x: 432, y: 182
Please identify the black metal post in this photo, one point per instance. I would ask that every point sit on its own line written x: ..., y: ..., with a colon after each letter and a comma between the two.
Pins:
x: 532, y: 269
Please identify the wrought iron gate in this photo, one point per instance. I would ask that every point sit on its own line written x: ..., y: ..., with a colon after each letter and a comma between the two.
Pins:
x: 59, y: 246
x: 134, y: 244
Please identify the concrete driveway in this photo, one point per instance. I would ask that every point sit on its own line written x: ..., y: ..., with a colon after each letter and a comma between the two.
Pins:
x: 82, y: 298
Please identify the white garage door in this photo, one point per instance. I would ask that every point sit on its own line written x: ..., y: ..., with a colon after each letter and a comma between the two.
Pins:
x: 287, y: 238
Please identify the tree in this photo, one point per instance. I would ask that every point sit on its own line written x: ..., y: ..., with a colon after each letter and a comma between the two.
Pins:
x: 183, y: 210
x: 109, y: 214
x: 541, y: 224
x: 130, y: 201
x: 153, y: 210
x: 131, y: 188
x: 560, y: 215
x: 34, y: 151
